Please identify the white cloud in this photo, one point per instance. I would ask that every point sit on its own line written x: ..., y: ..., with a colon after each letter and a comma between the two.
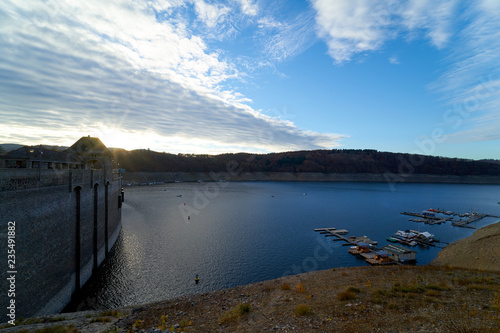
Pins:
x: 284, y: 40
x: 269, y: 23
x: 249, y: 7
x: 350, y: 27
x: 433, y: 16
x: 394, y: 60
x: 122, y: 66
x: 210, y: 14
x: 471, y: 85
x: 166, y: 5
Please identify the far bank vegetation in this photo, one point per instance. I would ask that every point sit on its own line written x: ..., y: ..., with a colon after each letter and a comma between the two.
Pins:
x: 317, y: 161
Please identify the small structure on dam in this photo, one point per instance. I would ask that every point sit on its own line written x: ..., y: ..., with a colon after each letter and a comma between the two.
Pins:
x: 61, y: 211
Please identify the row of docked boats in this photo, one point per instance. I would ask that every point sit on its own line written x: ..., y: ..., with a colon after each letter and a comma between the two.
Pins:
x: 412, y: 237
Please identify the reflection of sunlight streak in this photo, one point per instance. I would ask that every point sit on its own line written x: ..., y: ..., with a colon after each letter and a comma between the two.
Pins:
x: 133, y: 251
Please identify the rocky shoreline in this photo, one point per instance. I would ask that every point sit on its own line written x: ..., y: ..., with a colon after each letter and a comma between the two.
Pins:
x: 135, y: 178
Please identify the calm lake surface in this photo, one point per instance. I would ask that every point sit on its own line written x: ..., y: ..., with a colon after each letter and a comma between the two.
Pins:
x: 235, y: 233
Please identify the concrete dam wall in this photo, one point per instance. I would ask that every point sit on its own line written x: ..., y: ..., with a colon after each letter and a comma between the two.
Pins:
x: 62, y: 224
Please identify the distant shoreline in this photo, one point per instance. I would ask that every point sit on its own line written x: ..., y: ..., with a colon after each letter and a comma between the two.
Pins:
x: 137, y: 178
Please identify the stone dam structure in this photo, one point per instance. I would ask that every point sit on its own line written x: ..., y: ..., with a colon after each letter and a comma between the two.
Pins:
x: 62, y: 209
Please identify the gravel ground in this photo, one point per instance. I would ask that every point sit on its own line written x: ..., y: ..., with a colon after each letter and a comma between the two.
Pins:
x: 433, y: 298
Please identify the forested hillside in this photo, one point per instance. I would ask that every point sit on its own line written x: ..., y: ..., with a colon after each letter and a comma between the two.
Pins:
x: 325, y: 161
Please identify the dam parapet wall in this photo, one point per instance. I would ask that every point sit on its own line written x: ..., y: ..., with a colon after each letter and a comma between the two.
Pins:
x: 64, y: 224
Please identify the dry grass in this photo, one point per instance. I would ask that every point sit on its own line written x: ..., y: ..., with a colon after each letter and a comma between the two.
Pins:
x: 362, y: 299
x: 396, y: 299
x: 234, y: 314
x: 285, y: 286
x: 300, y: 288
x: 302, y: 310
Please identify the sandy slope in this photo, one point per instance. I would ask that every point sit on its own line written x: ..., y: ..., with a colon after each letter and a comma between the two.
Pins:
x: 480, y: 251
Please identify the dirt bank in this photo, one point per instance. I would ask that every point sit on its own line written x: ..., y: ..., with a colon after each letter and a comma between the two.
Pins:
x: 358, y: 299
x: 391, y: 179
x: 480, y: 251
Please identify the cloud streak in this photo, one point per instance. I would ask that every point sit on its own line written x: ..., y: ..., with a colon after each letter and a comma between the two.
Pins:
x: 471, y: 84
x: 285, y: 40
x: 350, y: 27
x: 78, y: 68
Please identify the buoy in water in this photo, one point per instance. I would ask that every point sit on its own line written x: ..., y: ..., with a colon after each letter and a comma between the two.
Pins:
x: 196, y: 279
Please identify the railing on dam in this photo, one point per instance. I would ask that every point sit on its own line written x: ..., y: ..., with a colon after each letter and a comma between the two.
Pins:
x: 18, y: 179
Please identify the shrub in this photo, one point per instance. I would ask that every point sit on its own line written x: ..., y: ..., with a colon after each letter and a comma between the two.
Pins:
x: 440, y: 287
x: 111, y: 313
x: 285, y: 286
x: 495, y: 303
x: 433, y: 292
x: 101, y: 320
x: 354, y: 289
x: 234, y: 314
x: 185, y: 323
x: 302, y: 310
x: 300, y: 288
x: 243, y: 308
x: 346, y: 295
x: 163, y: 324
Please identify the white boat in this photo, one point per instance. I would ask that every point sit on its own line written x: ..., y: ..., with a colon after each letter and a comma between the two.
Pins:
x: 406, y: 237
x: 424, y: 235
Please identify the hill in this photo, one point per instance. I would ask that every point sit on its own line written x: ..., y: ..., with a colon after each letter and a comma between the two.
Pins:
x: 6, y: 147
x: 479, y: 251
x: 341, y: 161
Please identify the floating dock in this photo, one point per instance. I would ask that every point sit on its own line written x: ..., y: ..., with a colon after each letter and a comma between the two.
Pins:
x: 329, y: 232
x: 360, y: 246
x: 429, y: 217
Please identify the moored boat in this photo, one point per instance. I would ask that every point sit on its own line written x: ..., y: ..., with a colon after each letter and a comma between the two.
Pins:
x: 406, y: 237
x: 424, y: 235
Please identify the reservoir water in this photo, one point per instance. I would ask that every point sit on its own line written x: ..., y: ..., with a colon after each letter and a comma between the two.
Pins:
x: 232, y: 233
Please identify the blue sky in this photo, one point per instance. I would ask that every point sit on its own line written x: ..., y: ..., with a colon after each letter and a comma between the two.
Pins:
x: 199, y: 76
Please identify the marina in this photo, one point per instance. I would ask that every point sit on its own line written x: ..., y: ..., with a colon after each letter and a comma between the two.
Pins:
x: 362, y: 247
x: 365, y: 248
x: 438, y: 216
